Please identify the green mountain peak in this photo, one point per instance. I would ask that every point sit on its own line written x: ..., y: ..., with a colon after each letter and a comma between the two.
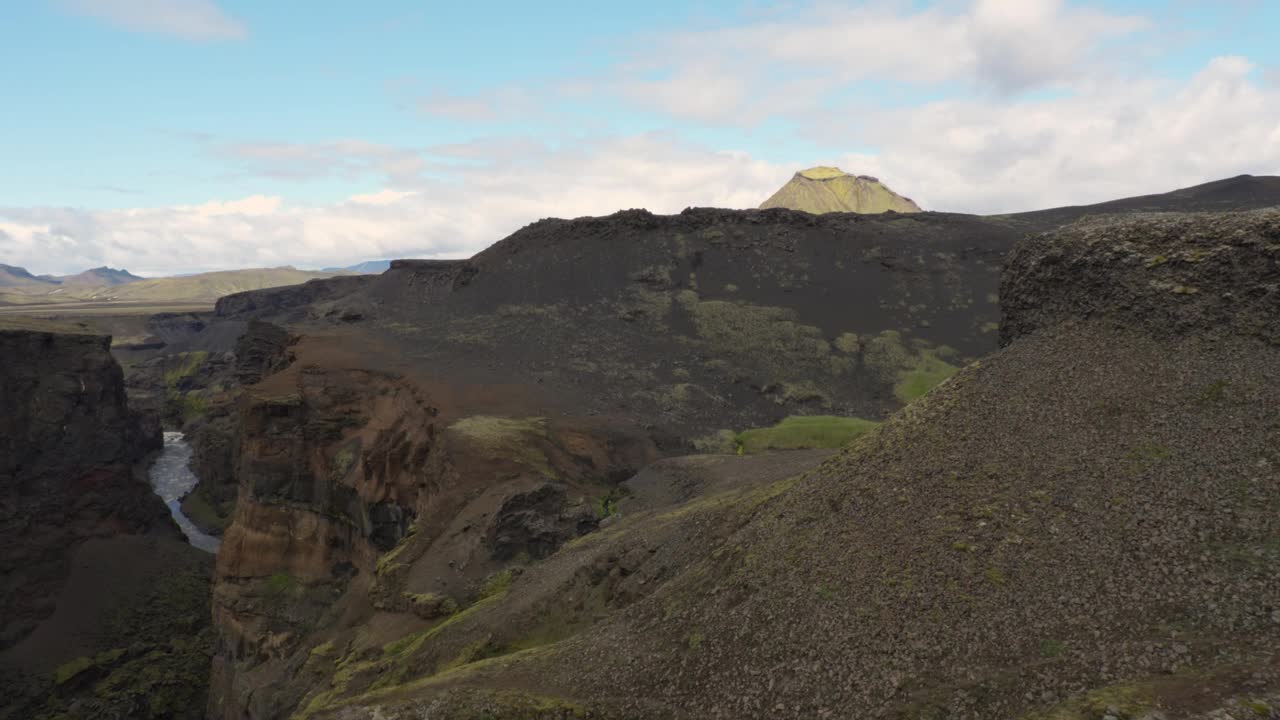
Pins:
x: 826, y: 189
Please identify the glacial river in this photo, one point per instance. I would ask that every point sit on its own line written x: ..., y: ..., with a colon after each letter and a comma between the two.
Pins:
x: 171, y: 479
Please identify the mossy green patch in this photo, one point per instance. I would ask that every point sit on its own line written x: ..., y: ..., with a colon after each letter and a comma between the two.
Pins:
x: 751, y: 328
x: 321, y: 659
x: 186, y: 365
x: 827, y: 189
x: 280, y: 587
x: 72, y: 668
x: 928, y: 372
x: 496, y: 584
x: 1052, y: 648
x: 431, y: 605
x: 203, y: 513
x: 186, y: 407
x: 516, y: 439
x: 695, y: 640
x: 720, y: 442
x: 822, y: 172
x: 848, y: 343
x: 344, y: 459
x: 803, y: 432
x: 913, y: 370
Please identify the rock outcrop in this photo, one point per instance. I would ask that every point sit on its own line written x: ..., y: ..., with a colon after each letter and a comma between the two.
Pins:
x: 288, y: 301
x: 68, y: 447
x: 1169, y: 273
x: 828, y: 189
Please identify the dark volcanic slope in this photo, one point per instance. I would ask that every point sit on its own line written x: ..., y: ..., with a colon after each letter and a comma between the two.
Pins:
x: 481, y: 413
x: 1244, y: 192
x: 1083, y: 525
x: 704, y: 320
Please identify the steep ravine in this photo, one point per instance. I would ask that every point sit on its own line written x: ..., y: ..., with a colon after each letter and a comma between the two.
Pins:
x: 339, y: 466
x: 172, y: 479
x: 103, y: 604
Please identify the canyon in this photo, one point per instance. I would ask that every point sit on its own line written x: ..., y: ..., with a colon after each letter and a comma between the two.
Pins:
x: 517, y: 485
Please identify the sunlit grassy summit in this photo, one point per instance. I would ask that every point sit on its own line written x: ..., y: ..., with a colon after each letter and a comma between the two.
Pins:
x: 829, y: 189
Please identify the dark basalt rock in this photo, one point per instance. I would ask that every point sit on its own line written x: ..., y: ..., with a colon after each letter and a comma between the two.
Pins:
x: 536, y: 522
x: 176, y: 327
x: 1167, y: 273
x: 99, y: 590
x: 269, y: 301
x: 260, y: 351
x: 68, y: 446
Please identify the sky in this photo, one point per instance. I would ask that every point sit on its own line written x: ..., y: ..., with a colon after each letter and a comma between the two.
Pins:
x: 174, y: 136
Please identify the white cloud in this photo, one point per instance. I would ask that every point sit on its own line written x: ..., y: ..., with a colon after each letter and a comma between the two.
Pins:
x: 188, y: 19
x: 1103, y: 130
x: 1112, y: 139
x: 478, y: 205
x: 456, y: 107
x: 348, y: 159
x: 774, y: 67
x: 1271, y: 76
x: 382, y: 197
x: 1115, y: 138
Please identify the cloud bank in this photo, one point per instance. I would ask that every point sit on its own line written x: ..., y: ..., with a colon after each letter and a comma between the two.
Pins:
x: 454, y: 217
x: 188, y: 19
x: 1026, y: 105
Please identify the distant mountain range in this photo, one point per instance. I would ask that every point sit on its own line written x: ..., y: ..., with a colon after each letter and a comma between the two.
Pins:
x: 829, y: 189
x: 104, y: 285
x: 368, y: 267
x: 16, y: 277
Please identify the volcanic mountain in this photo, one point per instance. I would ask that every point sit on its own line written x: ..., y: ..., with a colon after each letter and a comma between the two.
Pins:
x: 829, y: 189
x: 99, y: 277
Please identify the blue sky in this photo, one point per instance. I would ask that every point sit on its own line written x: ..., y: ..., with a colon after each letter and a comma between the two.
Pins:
x: 176, y: 135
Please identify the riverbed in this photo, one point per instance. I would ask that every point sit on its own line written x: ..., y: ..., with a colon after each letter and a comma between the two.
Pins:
x: 171, y: 478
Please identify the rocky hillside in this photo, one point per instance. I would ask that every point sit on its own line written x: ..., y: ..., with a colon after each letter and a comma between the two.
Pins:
x: 87, y: 546
x: 1080, y: 525
x: 699, y: 322
x: 828, y: 189
x: 1243, y: 192
x: 478, y: 415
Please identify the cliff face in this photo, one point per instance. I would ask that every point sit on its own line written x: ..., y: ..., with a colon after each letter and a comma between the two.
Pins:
x: 288, y: 301
x: 338, y: 466
x: 1222, y: 275
x: 68, y: 445
x: 104, y: 607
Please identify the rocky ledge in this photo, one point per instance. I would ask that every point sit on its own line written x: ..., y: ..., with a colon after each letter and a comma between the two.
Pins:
x: 1166, y: 272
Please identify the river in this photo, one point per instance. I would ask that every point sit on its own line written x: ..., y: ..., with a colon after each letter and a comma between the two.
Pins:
x: 172, y: 478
